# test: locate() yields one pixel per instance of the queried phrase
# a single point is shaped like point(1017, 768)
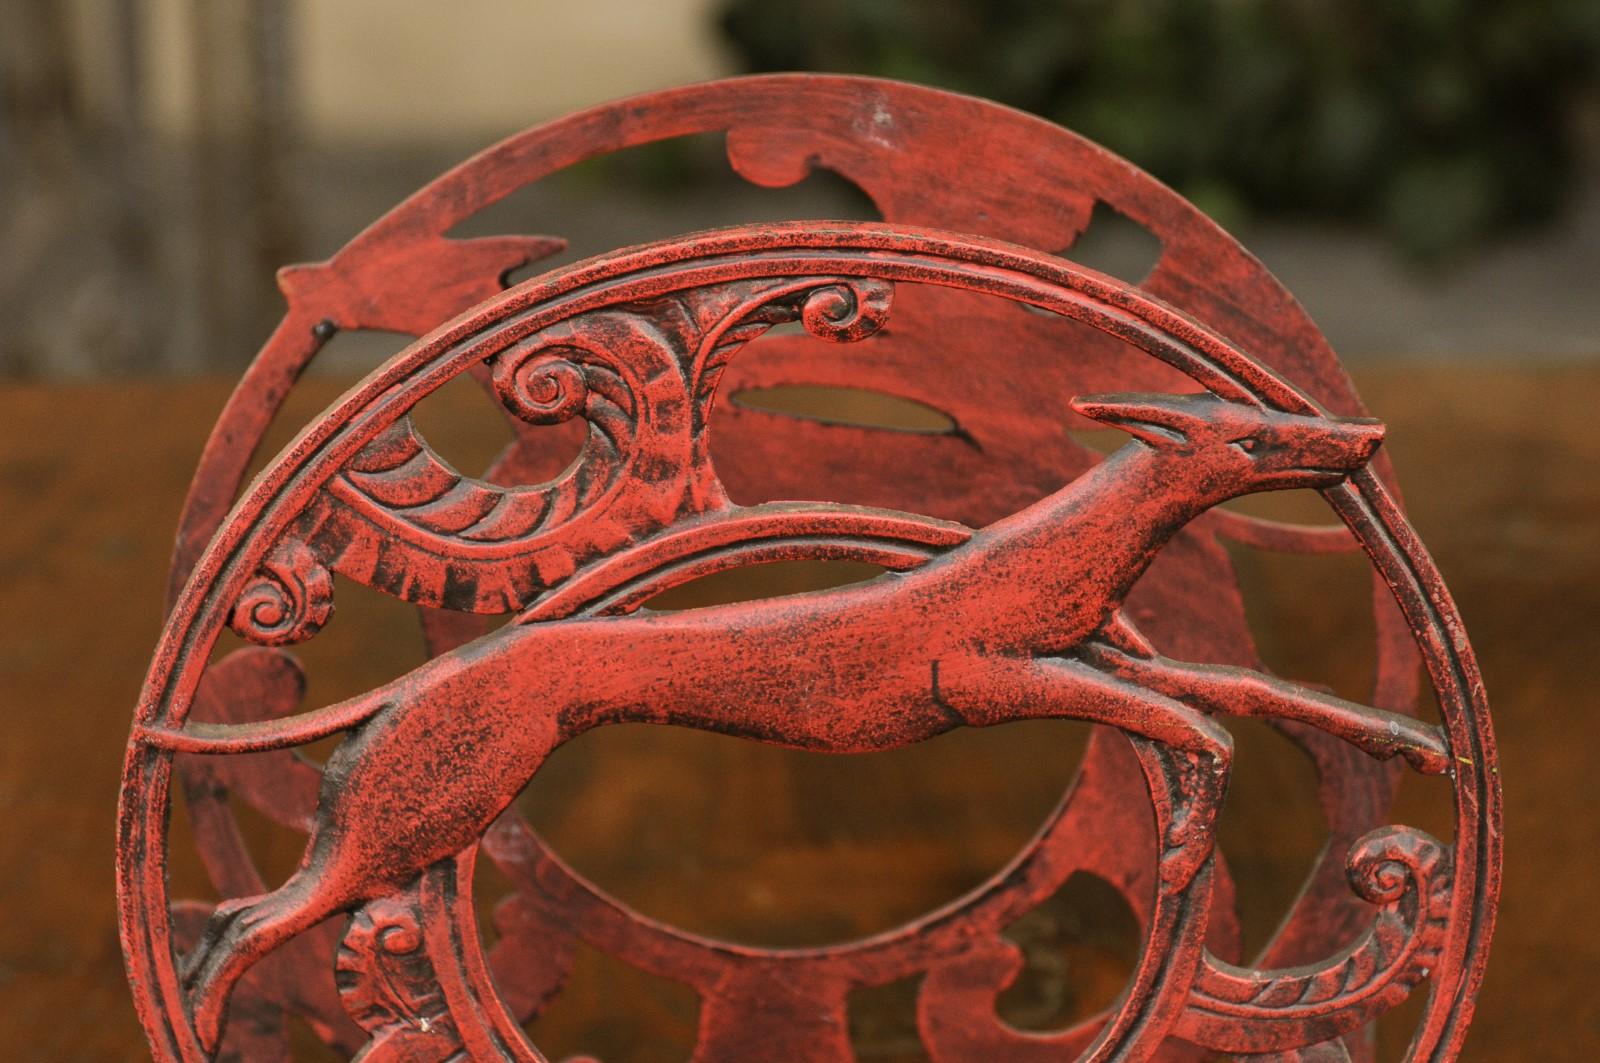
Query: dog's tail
point(262, 735)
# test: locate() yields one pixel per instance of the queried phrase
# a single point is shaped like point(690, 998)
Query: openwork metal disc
point(1111, 599)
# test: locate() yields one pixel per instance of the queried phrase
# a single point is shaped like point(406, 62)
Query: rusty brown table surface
point(1501, 470)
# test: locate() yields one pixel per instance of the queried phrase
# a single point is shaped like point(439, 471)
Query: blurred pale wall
point(160, 159)
point(370, 75)
point(385, 71)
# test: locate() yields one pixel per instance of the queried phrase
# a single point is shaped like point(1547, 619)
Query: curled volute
point(1403, 871)
point(289, 599)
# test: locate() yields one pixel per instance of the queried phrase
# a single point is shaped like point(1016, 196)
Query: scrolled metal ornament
point(288, 601)
point(388, 985)
point(1030, 578)
point(541, 387)
point(1404, 873)
point(845, 313)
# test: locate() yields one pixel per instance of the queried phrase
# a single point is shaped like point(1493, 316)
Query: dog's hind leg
point(239, 933)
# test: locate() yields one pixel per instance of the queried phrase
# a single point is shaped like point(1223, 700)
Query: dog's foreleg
point(1246, 692)
point(989, 690)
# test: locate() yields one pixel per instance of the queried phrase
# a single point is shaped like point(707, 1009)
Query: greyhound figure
point(1021, 621)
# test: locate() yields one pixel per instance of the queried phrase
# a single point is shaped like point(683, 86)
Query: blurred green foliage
point(1444, 123)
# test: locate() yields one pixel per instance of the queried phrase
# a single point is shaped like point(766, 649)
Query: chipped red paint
point(1109, 599)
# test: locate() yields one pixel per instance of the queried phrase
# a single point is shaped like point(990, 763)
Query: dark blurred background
point(1423, 176)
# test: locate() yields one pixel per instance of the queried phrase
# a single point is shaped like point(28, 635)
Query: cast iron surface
point(1110, 599)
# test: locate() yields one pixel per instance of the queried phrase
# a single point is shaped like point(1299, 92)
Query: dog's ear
point(1166, 421)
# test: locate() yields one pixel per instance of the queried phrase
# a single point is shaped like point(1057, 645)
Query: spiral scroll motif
point(541, 386)
point(289, 600)
point(1406, 873)
point(844, 313)
point(1387, 864)
point(388, 985)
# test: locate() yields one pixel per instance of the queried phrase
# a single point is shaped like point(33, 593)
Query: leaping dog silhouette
point(1021, 621)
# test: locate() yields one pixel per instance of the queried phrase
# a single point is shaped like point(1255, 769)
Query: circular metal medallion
point(1109, 599)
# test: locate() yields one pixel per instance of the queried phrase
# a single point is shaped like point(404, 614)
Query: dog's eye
point(1247, 444)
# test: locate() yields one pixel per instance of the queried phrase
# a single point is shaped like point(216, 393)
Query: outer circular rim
point(887, 252)
point(907, 147)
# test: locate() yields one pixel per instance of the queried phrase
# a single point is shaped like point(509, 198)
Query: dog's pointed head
point(1259, 448)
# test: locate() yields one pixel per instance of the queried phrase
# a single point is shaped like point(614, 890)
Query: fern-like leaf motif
point(400, 518)
point(1403, 871)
